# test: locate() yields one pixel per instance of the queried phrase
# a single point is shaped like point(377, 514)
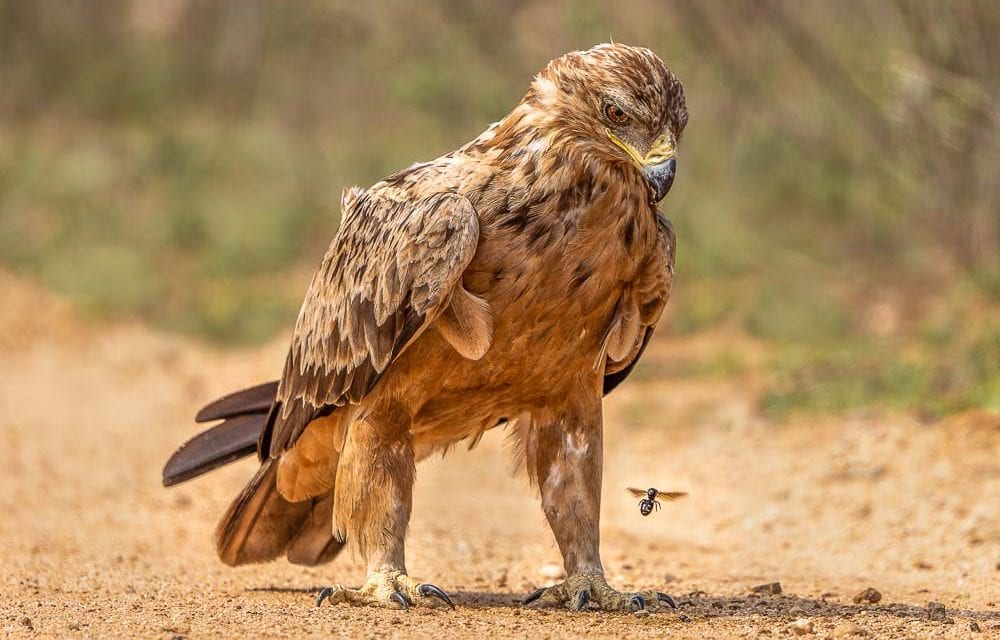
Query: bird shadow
point(312, 590)
point(702, 605)
point(709, 606)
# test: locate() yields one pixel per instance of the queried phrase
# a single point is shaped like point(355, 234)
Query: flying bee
point(649, 501)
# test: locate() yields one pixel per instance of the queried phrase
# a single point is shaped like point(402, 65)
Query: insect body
point(649, 501)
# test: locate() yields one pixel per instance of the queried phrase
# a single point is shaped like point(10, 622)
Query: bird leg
point(372, 503)
point(566, 457)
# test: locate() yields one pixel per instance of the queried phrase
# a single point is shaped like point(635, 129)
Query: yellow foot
point(387, 589)
point(580, 589)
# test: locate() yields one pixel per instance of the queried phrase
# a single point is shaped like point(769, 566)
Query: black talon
point(431, 590)
point(324, 593)
point(639, 602)
point(534, 595)
point(582, 600)
point(662, 597)
point(401, 599)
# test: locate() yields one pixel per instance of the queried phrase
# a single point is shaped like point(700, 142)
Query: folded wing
point(391, 270)
point(638, 314)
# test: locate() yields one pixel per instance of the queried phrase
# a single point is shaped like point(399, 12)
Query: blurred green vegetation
point(181, 161)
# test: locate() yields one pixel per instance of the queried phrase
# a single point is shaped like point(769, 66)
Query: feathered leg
point(372, 506)
point(565, 458)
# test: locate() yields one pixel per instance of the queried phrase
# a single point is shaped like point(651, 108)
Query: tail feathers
point(256, 399)
point(245, 417)
point(233, 439)
point(260, 525)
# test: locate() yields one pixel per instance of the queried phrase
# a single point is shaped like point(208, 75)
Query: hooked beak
point(659, 166)
point(660, 178)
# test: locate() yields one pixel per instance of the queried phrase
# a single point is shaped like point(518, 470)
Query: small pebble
point(868, 596)
point(26, 622)
point(936, 612)
point(771, 588)
point(849, 630)
point(802, 627)
point(974, 627)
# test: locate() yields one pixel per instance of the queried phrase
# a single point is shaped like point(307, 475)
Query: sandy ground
point(92, 546)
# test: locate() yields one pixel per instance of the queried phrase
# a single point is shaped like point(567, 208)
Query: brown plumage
point(513, 281)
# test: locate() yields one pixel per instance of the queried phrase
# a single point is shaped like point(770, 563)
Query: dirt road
point(93, 546)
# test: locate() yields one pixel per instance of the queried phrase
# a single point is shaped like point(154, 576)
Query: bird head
point(619, 104)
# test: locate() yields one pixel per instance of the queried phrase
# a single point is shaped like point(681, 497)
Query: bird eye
point(614, 113)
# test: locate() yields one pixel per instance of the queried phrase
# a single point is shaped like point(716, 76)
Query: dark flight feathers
point(244, 414)
point(257, 399)
point(233, 439)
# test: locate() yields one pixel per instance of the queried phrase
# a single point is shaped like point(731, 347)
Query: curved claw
point(401, 599)
point(662, 597)
point(427, 589)
point(582, 600)
point(324, 593)
point(534, 595)
point(638, 602)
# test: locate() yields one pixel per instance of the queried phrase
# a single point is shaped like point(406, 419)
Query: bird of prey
point(515, 280)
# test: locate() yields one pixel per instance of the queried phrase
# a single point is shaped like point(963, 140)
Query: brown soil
point(92, 546)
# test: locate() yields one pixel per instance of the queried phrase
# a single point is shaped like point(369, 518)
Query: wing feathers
point(637, 317)
point(467, 324)
point(389, 272)
point(624, 333)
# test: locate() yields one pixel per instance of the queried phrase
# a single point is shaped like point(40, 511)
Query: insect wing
point(671, 495)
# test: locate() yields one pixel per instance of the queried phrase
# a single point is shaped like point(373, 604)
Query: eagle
point(513, 281)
